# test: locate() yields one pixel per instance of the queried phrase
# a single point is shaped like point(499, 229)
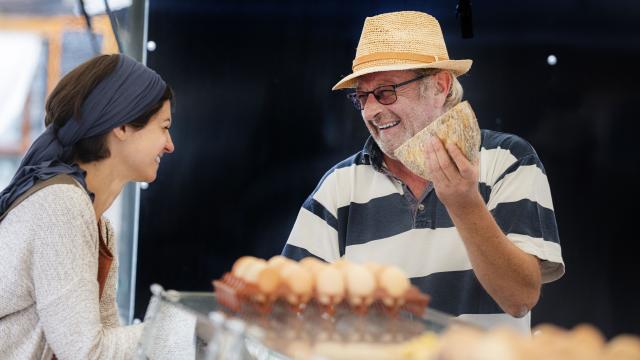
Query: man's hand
point(511, 276)
point(454, 178)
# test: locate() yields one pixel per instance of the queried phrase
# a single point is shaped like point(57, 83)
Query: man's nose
point(371, 108)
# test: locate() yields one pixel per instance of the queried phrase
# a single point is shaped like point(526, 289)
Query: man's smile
point(388, 125)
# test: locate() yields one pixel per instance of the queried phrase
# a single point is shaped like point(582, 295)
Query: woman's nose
point(169, 147)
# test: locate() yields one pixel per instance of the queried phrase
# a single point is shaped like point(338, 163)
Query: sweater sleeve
point(65, 263)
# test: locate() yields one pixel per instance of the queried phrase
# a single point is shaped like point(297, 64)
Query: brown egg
point(329, 285)
point(375, 268)
point(299, 280)
point(240, 264)
point(252, 270)
point(360, 284)
point(342, 263)
point(268, 280)
point(622, 347)
point(544, 330)
point(587, 342)
point(394, 281)
point(278, 261)
point(312, 264)
point(554, 342)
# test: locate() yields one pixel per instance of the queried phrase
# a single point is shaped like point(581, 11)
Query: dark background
point(256, 126)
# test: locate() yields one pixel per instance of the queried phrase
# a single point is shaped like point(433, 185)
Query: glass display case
point(194, 325)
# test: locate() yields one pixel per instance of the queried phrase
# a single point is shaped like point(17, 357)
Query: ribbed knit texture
point(48, 282)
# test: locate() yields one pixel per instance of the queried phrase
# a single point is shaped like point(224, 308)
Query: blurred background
point(256, 125)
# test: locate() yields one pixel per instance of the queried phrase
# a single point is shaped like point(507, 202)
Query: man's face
point(391, 125)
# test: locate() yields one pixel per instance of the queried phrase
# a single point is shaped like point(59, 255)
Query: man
point(480, 238)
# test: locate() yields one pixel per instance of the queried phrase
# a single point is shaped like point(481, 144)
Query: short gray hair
point(455, 91)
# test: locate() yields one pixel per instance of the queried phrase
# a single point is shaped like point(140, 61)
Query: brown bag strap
point(105, 259)
point(58, 179)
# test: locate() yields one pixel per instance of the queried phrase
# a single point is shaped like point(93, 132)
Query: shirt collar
point(373, 155)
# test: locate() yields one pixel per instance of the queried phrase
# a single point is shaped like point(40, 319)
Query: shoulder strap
point(58, 179)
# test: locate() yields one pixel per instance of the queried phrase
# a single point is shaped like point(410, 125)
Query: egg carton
point(239, 295)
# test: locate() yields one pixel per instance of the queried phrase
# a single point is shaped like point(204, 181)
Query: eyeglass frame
point(360, 106)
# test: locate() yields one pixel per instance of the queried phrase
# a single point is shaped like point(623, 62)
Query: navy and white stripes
point(360, 212)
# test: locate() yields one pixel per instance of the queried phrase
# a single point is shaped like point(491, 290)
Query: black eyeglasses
point(385, 94)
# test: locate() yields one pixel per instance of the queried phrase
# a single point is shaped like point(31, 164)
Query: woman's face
point(143, 148)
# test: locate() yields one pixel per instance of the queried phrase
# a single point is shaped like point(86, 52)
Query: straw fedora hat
point(401, 41)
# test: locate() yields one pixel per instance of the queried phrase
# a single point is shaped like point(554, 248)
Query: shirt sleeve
point(315, 232)
point(65, 263)
point(521, 203)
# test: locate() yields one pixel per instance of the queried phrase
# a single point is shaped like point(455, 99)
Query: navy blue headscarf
point(121, 97)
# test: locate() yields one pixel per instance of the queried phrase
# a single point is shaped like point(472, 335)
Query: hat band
point(394, 56)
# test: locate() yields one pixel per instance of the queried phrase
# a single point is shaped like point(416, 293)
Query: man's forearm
point(511, 276)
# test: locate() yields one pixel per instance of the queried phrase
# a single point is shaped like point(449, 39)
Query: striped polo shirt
point(363, 213)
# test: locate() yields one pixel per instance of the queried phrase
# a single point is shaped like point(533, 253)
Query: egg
point(360, 284)
point(312, 264)
point(240, 265)
point(252, 270)
point(622, 347)
point(278, 261)
point(587, 342)
point(329, 285)
point(342, 263)
point(553, 341)
point(545, 331)
point(373, 267)
point(299, 279)
point(394, 281)
point(268, 280)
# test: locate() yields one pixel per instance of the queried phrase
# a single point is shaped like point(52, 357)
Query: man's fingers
point(464, 166)
point(447, 165)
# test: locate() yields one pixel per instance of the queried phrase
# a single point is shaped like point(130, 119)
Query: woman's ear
point(121, 132)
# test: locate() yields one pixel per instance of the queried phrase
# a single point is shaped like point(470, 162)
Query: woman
point(107, 123)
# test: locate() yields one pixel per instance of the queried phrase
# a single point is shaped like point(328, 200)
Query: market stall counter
point(204, 329)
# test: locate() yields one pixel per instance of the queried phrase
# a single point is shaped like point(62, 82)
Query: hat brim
point(458, 67)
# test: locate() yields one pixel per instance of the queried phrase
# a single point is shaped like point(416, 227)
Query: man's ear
point(121, 132)
point(443, 82)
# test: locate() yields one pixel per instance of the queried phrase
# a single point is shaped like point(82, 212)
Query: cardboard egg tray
point(238, 296)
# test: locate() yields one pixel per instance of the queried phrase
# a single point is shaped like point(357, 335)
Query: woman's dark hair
point(67, 98)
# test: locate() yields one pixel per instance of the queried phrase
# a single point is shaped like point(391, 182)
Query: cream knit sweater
point(48, 287)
